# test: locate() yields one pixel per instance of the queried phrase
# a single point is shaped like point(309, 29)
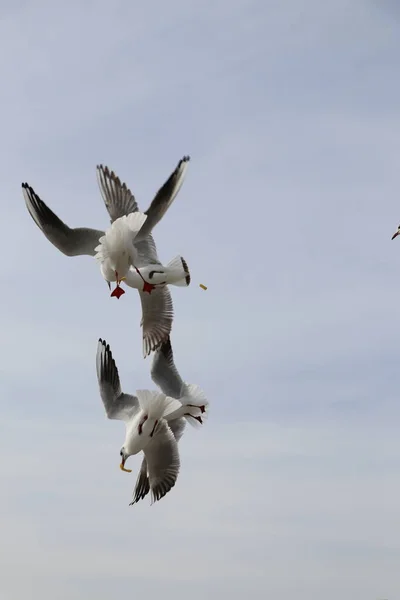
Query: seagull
point(154, 422)
point(165, 375)
point(396, 233)
point(116, 254)
point(157, 308)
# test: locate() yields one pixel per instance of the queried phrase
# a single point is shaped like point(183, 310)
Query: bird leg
point(147, 287)
point(117, 293)
point(199, 419)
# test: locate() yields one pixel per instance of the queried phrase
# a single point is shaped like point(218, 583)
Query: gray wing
point(177, 427)
point(157, 317)
point(72, 242)
point(157, 307)
point(119, 202)
point(164, 372)
point(117, 197)
point(162, 456)
point(164, 197)
point(117, 405)
point(147, 252)
point(142, 487)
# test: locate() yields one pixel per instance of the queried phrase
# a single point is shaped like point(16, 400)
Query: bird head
point(124, 456)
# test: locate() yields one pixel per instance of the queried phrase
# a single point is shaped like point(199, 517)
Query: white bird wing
point(117, 405)
point(147, 252)
point(142, 486)
point(120, 202)
point(163, 463)
point(117, 197)
point(164, 372)
point(157, 317)
point(72, 242)
point(164, 197)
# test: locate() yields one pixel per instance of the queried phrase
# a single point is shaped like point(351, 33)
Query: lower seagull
point(165, 375)
point(154, 421)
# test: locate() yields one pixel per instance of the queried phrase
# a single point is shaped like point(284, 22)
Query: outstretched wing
point(142, 486)
point(158, 314)
point(164, 197)
point(164, 372)
point(72, 242)
point(120, 202)
point(163, 462)
point(117, 405)
point(117, 197)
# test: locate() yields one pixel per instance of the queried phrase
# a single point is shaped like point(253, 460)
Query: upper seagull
point(157, 307)
point(154, 422)
point(117, 255)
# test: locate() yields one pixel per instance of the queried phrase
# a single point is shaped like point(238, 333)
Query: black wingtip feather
point(162, 490)
point(186, 269)
point(166, 350)
point(142, 488)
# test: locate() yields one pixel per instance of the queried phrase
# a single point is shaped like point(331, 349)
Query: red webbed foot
point(117, 293)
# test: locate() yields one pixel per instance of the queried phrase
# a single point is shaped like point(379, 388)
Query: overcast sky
point(290, 112)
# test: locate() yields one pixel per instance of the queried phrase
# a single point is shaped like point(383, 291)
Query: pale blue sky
point(290, 112)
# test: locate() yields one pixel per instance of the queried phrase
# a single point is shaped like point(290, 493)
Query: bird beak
point(122, 467)
point(396, 234)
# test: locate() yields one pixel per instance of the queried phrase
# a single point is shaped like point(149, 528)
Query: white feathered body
point(116, 252)
point(175, 273)
point(154, 406)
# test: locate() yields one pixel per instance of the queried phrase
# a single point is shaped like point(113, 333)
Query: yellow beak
point(122, 467)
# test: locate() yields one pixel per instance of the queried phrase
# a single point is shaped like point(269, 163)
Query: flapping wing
point(147, 252)
point(117, 197)
point(164, 372)
point(162, 456)
point(164, 197)
point(177, 427)
point(120, 202)
point(72, 242)
point(142, 487)
point(117, 405)
point(158, 313)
